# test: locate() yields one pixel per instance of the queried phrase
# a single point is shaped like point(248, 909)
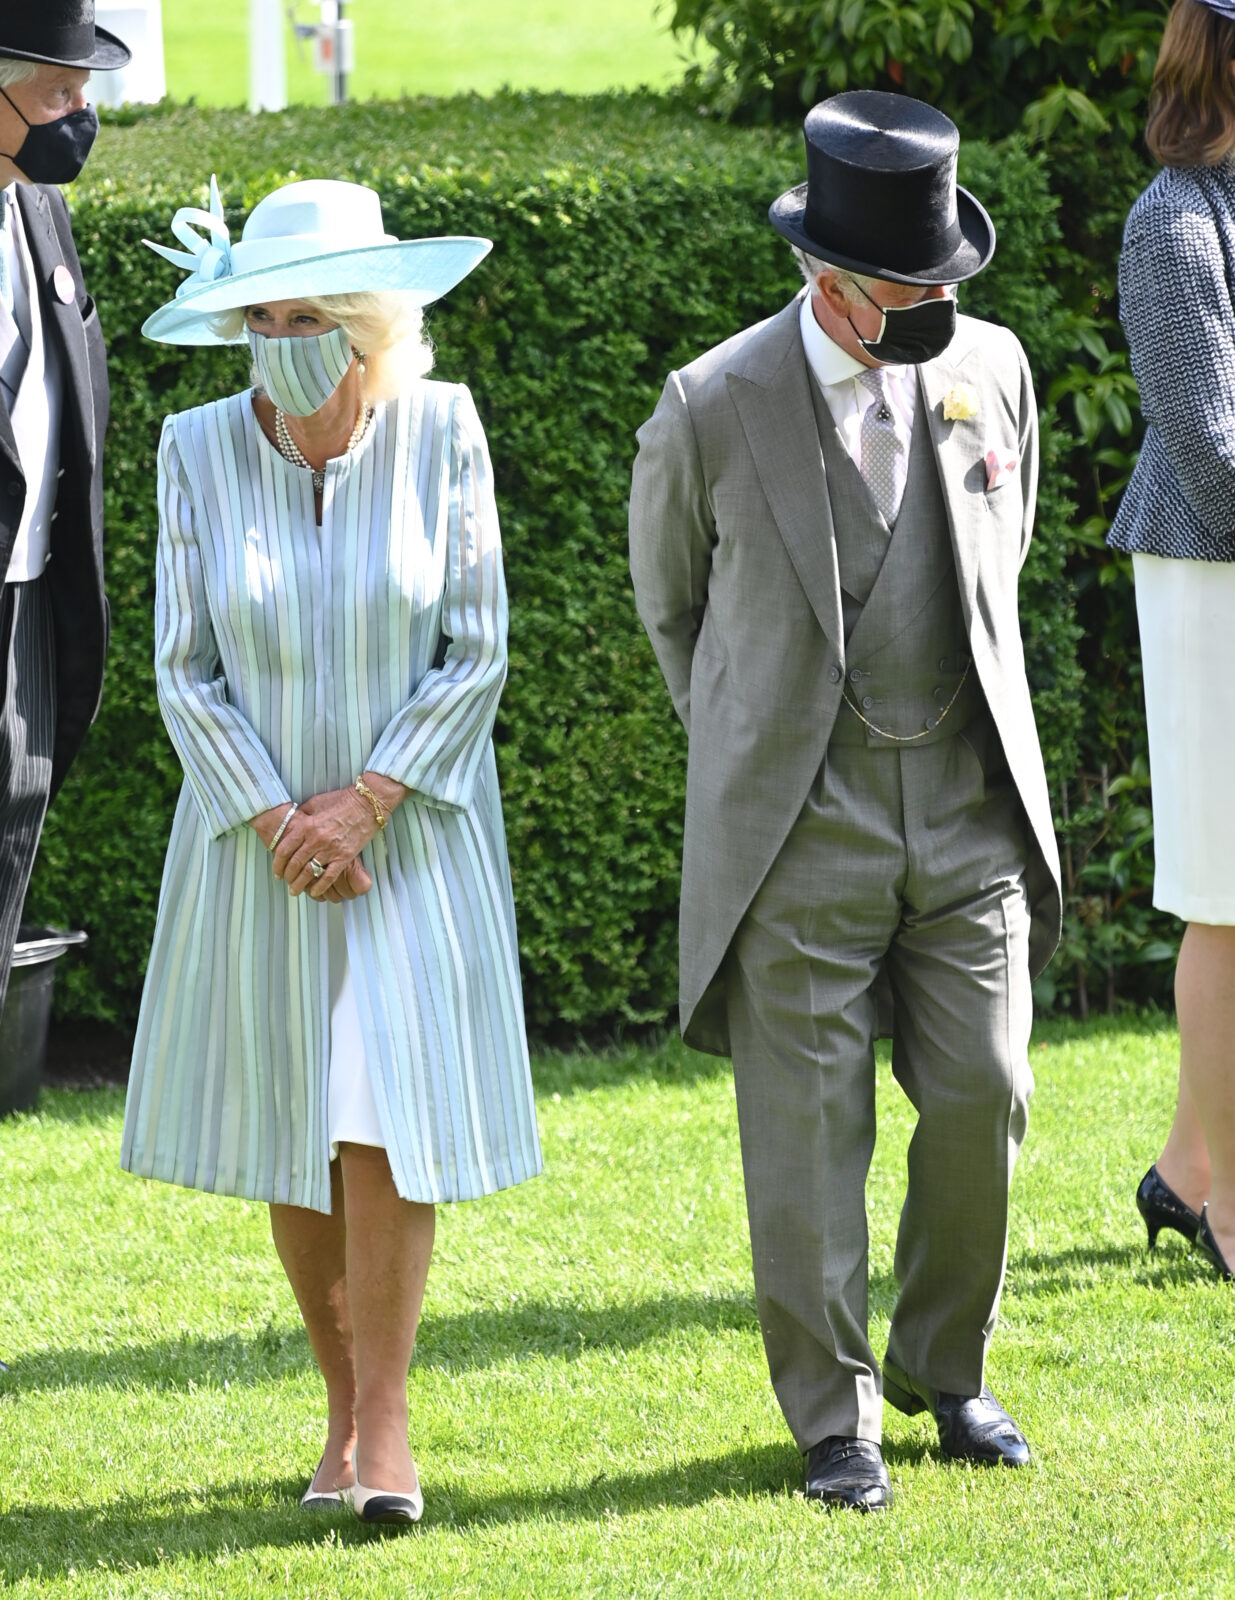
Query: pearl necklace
point(291, 451)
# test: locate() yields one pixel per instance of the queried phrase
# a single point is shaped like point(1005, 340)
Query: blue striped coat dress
point(289, 658)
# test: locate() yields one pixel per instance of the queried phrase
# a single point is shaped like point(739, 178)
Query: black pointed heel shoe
point(1162, 1208)
point(1208, 1247)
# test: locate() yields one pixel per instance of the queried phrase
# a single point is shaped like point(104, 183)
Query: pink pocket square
point(999, 468)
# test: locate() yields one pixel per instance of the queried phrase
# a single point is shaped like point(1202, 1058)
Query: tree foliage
point(994, 65)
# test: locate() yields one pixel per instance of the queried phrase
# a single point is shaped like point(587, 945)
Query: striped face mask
point(300, 375)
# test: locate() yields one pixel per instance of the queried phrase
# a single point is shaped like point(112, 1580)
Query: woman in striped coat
point(332, 1020)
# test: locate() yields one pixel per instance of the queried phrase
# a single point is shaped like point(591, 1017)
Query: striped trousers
point(27, 737)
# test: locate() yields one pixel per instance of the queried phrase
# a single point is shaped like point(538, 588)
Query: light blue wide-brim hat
point(317, 237)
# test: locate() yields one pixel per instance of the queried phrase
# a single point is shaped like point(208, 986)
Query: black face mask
point(55, 152)
point(910, 334)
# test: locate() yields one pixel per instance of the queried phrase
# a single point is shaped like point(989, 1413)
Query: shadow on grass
point(464, 1342)
point(1085, 1268)
point(543, 1329)
point(44, 1542)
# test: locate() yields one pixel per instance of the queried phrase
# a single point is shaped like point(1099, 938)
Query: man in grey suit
point(828, 518)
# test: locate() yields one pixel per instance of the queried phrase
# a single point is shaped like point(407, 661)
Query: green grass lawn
point(591, 1412)
point(403, 48)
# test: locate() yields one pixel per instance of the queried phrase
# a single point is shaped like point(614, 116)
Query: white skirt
point(351, 1112)
point(1186, 611)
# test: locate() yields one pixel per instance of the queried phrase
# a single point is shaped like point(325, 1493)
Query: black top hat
point(61, 32)
point(881, 195)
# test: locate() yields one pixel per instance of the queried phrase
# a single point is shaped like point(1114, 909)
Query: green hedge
point(630, 235)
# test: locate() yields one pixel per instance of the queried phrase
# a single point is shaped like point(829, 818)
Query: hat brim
point(423, 269)
point(109, 54)
point(787, 214)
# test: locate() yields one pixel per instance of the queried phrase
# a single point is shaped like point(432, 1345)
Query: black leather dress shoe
point(971, 1427)
point(1161, 1207)
point(978, 1429)
point(848, 1473)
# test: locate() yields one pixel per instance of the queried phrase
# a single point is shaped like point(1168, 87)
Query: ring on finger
point(316, 868)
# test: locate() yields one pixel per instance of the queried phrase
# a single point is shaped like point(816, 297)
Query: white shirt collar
point(829, 363)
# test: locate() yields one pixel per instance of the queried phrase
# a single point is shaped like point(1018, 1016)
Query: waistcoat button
point(867, 702)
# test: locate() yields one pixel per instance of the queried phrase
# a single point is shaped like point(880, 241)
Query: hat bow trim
point(206, 259)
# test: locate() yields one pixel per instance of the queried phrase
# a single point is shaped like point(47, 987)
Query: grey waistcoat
point(905, 644)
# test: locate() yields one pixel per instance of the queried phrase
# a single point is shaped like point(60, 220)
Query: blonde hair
point(1192, 103)
point(386, 328)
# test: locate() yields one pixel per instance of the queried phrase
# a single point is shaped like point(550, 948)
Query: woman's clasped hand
point(330, 830)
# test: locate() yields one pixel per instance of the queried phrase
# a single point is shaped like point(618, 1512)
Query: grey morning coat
point(733, 557)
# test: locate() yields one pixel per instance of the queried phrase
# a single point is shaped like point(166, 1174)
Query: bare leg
point(1184, 1162)
point(1205, 1001)
point(389, 1247)
point(312, 1248)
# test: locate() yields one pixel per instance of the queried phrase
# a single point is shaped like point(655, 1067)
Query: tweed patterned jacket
point(1176, 304)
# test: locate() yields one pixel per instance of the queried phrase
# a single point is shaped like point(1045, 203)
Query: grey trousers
point(27, 738)
point(907, 863)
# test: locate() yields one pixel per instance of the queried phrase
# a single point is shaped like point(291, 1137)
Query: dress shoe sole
point(840, 1501)
point(997, 1460)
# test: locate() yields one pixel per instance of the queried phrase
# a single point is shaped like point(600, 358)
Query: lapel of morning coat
point(769, 385)
point(959, 452)
point(61, 321)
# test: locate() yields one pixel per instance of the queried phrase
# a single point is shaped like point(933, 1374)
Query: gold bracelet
point(361, 787)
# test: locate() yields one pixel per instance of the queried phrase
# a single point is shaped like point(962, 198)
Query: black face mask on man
point(910, 334)
point(55, 152)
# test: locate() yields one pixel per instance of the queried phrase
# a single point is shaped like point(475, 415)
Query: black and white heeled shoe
point(321, 1499)
point(385, 1505)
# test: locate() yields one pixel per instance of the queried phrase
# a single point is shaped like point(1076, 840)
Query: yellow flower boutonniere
point(960, 404)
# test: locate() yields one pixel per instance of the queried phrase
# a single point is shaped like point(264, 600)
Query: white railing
point(140, 24)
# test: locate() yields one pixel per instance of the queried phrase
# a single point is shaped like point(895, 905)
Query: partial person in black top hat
point(59, 33)
point(53, 415)
point(827, 521)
